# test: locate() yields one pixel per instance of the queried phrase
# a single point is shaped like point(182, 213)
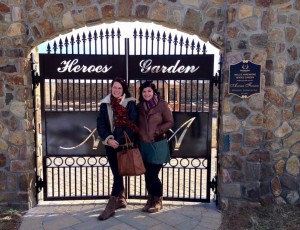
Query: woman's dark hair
point(145, 85)
point(123, 84)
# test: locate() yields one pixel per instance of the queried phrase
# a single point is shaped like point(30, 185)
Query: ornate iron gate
point(75, 75)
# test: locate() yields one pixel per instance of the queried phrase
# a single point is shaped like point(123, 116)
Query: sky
point(127, 29)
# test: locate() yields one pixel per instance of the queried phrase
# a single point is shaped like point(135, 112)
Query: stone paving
point(82, 215)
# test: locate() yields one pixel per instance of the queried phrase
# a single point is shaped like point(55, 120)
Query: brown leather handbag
point(130, 162)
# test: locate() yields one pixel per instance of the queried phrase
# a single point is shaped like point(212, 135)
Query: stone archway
point(86, 15)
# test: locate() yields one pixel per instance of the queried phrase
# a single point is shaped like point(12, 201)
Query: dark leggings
point(153, 183)
point(118, 184)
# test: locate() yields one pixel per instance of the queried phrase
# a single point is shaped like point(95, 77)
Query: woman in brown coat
point(154, 120)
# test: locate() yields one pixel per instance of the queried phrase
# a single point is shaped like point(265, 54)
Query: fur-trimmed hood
point(110, 114)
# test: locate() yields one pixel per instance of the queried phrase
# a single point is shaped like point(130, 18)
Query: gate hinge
point(40, 184)
point(216, 79)
point(36, 79)
point(213, 184)
point(34, 73)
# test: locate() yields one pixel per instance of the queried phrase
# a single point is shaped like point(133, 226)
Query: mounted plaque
point(244, 79)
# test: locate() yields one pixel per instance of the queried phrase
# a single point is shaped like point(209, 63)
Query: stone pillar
point(17, 175)
point(260, 152)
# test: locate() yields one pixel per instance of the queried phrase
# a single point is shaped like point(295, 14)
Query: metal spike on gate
point(170, 41)
point(181, 44)
point(112, 32)
point(66, 44)
point(158, 39)
point(107, 38)
point(193, 46)
point(55, 47)
point(83, 37)
point(118, 36)
point(152, 35)
point(72, 43)
point(112, 40)
point(101, 34)
point(164, 37)
point(198, 48)
point(175, 40)
point(95, 39)
point(48, 48)
point(78, 42)
point(158, 36)
point(90, 36)
point(95, 35)
point(181, 41)
point(78, 39)
point(204, 49)
point(90, 42)
point(170, 38)
point(118, 33)
point(175, 43)
point(83, 41)
point(60, 45)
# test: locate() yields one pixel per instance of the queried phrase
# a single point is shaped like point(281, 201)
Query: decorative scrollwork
point(178, 141)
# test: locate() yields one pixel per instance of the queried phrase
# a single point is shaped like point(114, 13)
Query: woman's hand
point(113, 143)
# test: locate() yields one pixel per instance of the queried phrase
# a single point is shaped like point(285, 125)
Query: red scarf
point(121, 117)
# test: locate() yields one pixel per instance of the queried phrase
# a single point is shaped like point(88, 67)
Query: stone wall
point(17, 175)
point(261, 138)
point(260, 145)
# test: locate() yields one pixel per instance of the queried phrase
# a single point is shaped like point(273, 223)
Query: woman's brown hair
point(123, 84)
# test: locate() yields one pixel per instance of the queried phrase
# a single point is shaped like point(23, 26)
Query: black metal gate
point(75, 75)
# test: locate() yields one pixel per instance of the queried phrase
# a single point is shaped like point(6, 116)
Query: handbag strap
point(127, 139)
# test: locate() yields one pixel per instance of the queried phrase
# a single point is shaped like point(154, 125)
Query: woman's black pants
point(153, 183)
point(118, 184)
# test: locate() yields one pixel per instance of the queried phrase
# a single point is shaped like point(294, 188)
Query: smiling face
point(117, 89)
point(147, 93)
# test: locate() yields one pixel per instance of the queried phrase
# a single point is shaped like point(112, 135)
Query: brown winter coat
point(156, 123)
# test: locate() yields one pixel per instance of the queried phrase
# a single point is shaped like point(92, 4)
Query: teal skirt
point(155, 152)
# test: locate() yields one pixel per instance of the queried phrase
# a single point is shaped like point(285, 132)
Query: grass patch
point(279, 217)
point(10, 218)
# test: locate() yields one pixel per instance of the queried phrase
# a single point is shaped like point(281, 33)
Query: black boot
point(109, 210)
